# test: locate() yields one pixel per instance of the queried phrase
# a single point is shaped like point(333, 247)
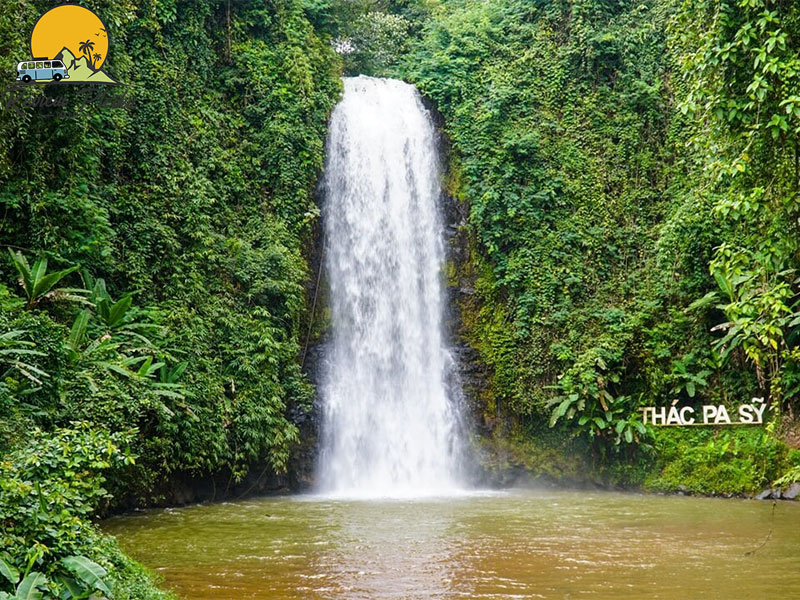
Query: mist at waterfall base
point(390, 424)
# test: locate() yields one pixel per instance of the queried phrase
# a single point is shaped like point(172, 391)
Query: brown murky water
point(494, 545)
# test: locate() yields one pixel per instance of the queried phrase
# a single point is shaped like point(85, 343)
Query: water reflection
point(495, 546)
point(391, 549)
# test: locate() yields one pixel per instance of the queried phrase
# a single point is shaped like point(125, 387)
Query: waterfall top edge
point(372, 78)
point(351, 84)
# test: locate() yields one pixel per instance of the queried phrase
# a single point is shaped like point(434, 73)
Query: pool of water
point(492, 545)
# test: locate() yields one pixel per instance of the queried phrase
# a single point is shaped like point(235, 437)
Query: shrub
point(49, 489)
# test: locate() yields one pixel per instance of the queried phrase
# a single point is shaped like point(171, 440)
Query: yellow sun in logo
point(75, 28)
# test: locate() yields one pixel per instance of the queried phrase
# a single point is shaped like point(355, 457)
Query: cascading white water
point(390, 423)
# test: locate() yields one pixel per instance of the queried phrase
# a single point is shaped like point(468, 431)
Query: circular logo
point(72, 28)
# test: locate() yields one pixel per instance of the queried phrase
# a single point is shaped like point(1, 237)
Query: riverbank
point(713, 462)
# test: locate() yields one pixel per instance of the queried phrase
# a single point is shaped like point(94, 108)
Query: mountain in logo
point(79, 68)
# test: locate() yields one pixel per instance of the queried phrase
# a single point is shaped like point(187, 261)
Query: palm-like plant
point(97, 58)
point(117, 345)
point(130, 325)
point(12, 352)
point(113, 314)
point(36, 282)
point(86, 48)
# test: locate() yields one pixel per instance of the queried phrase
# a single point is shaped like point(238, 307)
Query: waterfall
point(389, 422)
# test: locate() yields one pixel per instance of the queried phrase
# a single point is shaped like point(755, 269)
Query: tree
point(86, 48)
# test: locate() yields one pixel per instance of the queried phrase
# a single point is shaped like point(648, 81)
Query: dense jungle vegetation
point(630, 170)
point(160, 250)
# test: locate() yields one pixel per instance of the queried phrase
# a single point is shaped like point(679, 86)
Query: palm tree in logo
point(86, 48)
point(97, 58)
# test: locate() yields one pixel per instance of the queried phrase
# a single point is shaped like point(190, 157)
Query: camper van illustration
point(67, 42)
point(41, 69)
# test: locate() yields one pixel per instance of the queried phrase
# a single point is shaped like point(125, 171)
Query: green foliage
point(12, 352)
point(685, 380)
point(49, 488)
point(630, 171)
point(372, 36)
point(36, 281)
point(378, 40)
point(559, 117)
point(186, 214)
point(703, 461)
point(199, 197)
point(31, 585)
point(631, 174)
point(89, 573)
point(791, 476)
point(740, 62)
point(589, 398)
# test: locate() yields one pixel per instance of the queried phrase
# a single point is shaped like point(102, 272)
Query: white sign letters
point(750, 413)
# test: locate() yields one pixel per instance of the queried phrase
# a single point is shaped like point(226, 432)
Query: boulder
point(792, 491)
point(765, 495)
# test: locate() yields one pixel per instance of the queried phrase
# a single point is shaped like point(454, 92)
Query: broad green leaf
point(78, 329)
point(148, 367)
point(22, 267)
point(153, 368)
point(38, 274)
point(28, 589)
point(27, 370)
point(724, 284)
point(560, 410)
point(168, 393)
point(14, 351)
point(115, 368)
point(71, 588)
point(176, 372)
point(117, 312)
point(8, 571)
point(43, 285)
point(102, 309)
point(142, 372)
point(87, 571)
point(14, 333)
point(702, 302)
point(99, 292)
